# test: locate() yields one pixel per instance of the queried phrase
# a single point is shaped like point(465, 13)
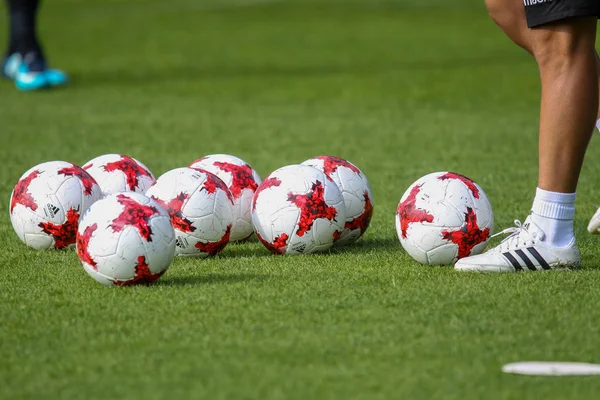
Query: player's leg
point(567, 60)
point(24, 61)
point(509, 15)
point(22, 26)
point(24, 51)
point(565, 53)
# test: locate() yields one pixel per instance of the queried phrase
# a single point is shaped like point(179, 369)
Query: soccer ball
point(356, 191)
point(297, 210)
point(443, 217)
point(117, 173)
point(242, 182)
point(201, 210)
point(47, 202)
point(125, 239)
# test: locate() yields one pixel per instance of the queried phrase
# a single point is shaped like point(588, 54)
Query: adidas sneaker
point(524, 250)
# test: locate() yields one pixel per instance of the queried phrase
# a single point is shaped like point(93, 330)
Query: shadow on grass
point(251, 239)
point(253, 250)
point(258, 251)
point(363, 245)
point(212, 279)
point(368, 244)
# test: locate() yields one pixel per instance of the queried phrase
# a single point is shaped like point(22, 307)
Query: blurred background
point(429, 84)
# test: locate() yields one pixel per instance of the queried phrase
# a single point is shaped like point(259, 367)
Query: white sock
point(598, 124)
point(554, 213)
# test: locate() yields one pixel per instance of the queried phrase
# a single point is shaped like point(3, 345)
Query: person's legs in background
point(25, 61)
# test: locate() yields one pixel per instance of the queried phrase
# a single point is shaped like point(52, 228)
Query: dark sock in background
point(22, 36)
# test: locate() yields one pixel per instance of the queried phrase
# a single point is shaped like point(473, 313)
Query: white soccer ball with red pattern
point(47, 202)
point(201, 210)
point(125, 239)
point(242, 182)
point(117, 173)
point(356, 191)
point(297, 210)
point(443, 217)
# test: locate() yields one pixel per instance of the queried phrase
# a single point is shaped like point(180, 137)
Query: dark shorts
point(540, 12)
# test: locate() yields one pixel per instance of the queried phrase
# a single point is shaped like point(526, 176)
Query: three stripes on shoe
point(516, 255)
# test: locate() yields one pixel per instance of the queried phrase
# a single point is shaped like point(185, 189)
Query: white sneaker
point(523, 250)
point(594, 225)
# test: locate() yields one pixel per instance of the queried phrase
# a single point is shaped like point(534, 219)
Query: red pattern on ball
point(331, 164)
point(143, 275)
point(337, 235)
point(173, 207)
point(277, 246)
point(213, 182)
point(469, 183)
point(468, 236)
point(212, 248)
point(242, 177)
point(409, 213)
point(362, 221)
point(21, 195)
point(85, 178)
point(136, 215)
point(130, 168)
point(63, 234)
point(267, 183)
point(83, 241)
point(312, 206)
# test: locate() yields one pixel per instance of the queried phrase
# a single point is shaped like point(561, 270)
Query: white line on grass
point(551, 368)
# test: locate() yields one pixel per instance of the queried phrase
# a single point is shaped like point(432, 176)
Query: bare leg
point(567, 59)
point(509, 15)
point(568, 63)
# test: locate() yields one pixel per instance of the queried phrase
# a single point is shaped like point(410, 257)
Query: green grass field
point(401, 88)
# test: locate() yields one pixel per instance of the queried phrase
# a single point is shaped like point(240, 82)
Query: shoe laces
point(519, 236)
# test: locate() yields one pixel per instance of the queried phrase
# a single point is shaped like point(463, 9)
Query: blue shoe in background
point(30, 72)
point(56, 77)
point(11, 65)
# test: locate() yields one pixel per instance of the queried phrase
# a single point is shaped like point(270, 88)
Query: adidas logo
point(300, 247)
point(51, 210)
point(181, 243)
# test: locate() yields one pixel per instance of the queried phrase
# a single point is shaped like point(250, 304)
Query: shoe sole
point(507, 270)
